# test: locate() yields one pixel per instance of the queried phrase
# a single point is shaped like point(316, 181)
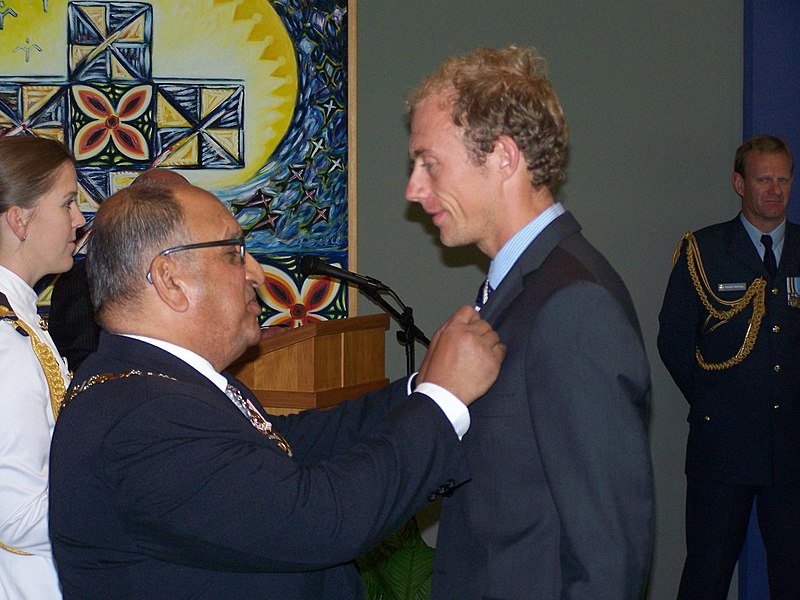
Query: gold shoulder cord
point(754, 294)
point(46, 358)
point(52, 373)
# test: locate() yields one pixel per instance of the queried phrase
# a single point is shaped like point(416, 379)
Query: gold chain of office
point(754, 295)
point(103, 377)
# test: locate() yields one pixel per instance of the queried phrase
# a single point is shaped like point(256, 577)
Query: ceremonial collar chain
point(245, 406)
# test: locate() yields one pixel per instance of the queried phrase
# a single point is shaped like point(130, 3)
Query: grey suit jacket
point(561, 500)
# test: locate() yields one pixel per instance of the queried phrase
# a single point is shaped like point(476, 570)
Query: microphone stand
point(373, 289)
point(410, 332)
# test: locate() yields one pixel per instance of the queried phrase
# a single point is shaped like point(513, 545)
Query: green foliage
point(400, 568)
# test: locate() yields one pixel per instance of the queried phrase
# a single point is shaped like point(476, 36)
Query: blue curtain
point(771, 106)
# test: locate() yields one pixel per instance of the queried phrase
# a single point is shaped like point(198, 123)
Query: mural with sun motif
point(246, 98)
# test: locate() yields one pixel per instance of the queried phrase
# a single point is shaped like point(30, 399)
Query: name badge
point(731, 287)
point(793, 291)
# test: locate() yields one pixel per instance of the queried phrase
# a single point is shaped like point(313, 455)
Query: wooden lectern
point(317, 365)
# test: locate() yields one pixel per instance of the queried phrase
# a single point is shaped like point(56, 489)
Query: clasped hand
point(464, 356)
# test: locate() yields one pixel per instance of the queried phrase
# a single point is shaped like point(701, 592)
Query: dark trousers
point(717, 514)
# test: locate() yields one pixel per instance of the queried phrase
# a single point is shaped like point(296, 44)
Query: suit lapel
point(530, 260)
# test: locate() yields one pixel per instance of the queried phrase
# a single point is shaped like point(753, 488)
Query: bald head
point(160, 177)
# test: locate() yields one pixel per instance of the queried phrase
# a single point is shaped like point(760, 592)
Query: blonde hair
point(503, 92)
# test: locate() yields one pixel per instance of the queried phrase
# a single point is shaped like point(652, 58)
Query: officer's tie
point(770, 264)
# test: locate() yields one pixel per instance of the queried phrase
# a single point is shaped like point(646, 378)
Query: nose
point(415, 188)
point(253, 271)
point(78, 220)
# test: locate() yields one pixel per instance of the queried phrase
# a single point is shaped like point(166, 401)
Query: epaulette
point(8, 315)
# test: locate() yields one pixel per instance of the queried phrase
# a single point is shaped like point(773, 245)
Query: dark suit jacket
point(744, 420)
point(161, 488)
point(560, 505)
point(71, 320)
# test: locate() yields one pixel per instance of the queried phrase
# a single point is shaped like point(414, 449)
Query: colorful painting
point(246, 98)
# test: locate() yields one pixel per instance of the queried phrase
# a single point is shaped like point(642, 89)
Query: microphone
point(313, 265)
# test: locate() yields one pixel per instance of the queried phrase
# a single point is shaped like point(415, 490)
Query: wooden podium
point(317, 365)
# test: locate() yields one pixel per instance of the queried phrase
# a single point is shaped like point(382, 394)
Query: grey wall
point(652, 92)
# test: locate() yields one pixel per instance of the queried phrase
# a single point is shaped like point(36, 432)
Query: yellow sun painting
point(246, 98)
point(234, 40)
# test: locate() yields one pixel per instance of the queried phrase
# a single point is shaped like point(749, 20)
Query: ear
point(18, 219)
point(738, 183)
point(508, 155)
point(170, 283)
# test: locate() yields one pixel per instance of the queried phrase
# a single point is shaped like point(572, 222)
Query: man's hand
point(464, 356)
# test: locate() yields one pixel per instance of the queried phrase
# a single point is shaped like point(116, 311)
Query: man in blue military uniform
point(730, 337)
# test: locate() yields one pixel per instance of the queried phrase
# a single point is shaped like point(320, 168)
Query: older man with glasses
point(168, 480)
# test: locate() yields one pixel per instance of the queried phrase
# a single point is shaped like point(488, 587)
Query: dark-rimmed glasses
point(230, 242)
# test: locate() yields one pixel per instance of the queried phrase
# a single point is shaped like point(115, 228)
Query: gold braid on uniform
point(753, 295)
point(46, 358)
point(14, 550)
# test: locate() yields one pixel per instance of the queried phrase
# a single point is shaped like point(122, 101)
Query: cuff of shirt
point(452, 407)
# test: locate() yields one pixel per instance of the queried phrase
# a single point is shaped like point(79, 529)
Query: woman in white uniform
point(38, 219)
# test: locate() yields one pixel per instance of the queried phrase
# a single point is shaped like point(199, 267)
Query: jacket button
point(774, 291)
point(776, 329)
point(777, 368)
point(777, 406)
point(706, 418)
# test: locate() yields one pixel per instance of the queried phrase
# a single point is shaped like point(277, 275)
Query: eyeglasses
point(231, 242)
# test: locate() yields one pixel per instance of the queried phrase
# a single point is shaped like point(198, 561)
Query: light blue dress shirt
point(513, 248)
point(778, 234)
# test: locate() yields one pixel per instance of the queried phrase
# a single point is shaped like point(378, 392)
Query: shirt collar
point(21, 296)
point(778, 234)
point(518, 243)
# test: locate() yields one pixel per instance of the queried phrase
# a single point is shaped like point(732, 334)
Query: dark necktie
point(483, 295)
point(770, 264)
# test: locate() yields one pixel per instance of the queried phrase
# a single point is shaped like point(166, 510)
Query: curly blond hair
point(505, 91)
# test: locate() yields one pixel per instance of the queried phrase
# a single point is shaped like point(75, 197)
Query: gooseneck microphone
point(313, 265)
point(374, 290)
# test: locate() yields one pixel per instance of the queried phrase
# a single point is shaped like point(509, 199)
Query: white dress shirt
point(26, 426)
